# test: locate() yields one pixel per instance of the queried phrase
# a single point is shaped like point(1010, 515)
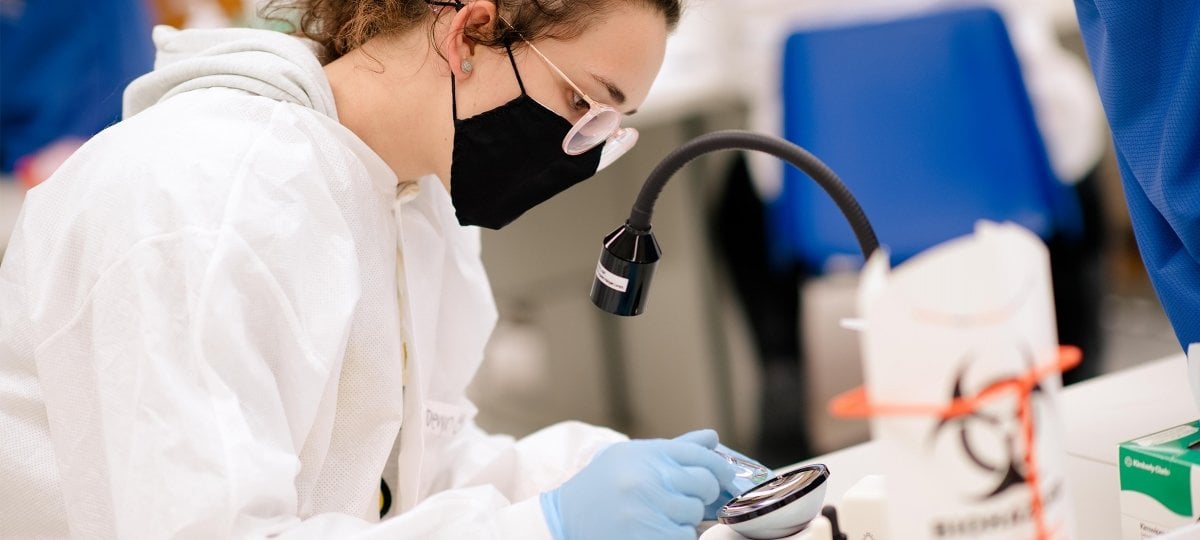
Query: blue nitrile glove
point(645, 490)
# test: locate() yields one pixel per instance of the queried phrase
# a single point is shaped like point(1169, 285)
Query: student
point(233, 313)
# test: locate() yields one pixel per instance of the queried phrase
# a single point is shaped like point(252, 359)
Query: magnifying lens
point(779, 507)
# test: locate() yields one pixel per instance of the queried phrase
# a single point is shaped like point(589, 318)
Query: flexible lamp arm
point(639, 218)
point(631, 252)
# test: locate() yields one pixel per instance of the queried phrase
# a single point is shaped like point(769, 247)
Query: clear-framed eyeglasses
point(600, 124)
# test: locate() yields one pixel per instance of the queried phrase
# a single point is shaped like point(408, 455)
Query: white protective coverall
point(224, 317)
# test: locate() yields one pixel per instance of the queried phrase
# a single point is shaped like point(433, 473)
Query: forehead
point(623, 45)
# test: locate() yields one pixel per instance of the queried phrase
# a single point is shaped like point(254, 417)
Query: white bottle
point(862, 514)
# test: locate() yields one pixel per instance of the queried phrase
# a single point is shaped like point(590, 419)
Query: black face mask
point(510, 159)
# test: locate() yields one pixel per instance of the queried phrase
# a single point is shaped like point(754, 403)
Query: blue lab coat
point(1146, 59)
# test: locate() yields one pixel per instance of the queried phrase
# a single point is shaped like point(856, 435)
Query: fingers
point(729, 451)
point(693, 455)
point(703, 437)
point(694, 482)
point(680, 506)
point(684, 511)
point(682, 532)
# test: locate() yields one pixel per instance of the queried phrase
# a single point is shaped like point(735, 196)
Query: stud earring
point(467, 66)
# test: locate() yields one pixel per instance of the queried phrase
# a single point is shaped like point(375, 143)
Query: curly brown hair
point(341, 26)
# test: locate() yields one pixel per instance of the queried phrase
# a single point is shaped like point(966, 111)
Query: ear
point(478, 17)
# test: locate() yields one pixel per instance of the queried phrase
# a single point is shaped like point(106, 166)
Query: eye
point(578, 103)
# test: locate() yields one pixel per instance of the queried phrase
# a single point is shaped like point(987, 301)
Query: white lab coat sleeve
point(489, 485)
point(523, 468)
point(478, 512)
point(182, 387)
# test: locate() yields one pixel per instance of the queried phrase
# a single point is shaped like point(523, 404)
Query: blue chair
point(63, 67)
point(928, 122)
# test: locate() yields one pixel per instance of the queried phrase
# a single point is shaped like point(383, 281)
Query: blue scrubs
point(1146, 58)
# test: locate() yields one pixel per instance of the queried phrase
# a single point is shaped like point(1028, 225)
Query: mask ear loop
point(513, 61)
point(454, 91)
point(458, 5)
point(453, 97)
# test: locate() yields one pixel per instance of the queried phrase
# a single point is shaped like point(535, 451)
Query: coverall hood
point(261, 62)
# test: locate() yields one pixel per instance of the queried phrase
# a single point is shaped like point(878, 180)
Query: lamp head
point(624, 271)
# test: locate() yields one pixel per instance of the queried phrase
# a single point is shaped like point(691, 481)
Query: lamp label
point(611, 280)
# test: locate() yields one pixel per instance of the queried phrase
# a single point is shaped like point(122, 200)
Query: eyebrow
point(614, 91)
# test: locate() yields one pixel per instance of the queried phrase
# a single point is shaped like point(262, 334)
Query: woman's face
point(614, 61)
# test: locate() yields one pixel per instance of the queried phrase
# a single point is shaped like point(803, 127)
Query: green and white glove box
point(1160, 482)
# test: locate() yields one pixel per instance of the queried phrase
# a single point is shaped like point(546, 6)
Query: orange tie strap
point(855, 404)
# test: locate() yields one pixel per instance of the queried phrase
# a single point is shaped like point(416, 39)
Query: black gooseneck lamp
point(630, 253)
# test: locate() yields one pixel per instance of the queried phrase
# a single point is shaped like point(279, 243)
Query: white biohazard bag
point(960, 357)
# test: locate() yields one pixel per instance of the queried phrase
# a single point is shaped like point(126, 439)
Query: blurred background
point(935, 113)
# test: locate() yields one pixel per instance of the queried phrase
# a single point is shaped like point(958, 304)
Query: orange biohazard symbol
point(855, 404)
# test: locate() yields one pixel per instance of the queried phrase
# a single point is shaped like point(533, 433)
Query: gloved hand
point(644, 489)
